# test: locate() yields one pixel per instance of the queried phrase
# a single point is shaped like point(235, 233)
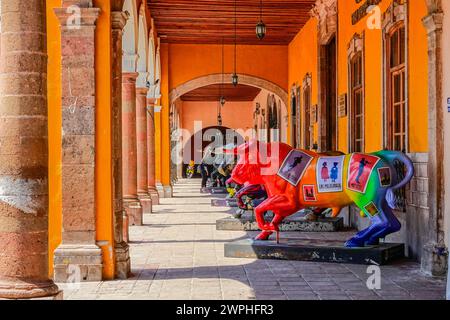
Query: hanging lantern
point(261, 30)
point(261, 26)
point(235, 79)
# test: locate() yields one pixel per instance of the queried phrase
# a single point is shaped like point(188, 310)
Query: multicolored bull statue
point(297, 179)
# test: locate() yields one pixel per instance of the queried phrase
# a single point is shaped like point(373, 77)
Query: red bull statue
point(298, 179)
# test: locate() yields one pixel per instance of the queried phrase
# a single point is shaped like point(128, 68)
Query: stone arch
point(142, 53)
point(130, 37)
point(217, 79)
point(151, 65)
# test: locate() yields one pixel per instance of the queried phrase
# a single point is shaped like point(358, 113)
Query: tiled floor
point(178, 254)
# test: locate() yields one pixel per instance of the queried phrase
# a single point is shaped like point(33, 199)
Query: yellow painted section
point(303, 60)
point(158, 146)
point(103, 134)
point(54, 130)
point(418, 78)
point(303, 57)
point(373, 92)
point(165, 116)
point(103, 168)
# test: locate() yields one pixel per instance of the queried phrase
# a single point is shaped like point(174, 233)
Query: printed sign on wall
point(359, 171)
point(294, 166)
point(342, 106)
point(329, 174)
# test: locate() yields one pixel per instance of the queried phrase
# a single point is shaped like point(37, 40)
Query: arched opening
point(151, 65)
point(130, 37)
point(195, 148)
point(142, 53)
point(255, 108)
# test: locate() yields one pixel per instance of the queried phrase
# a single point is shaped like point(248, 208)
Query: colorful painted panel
point(384, 174)
point(359, 170)
point(329, 174)
point(309, 193)
point(294, 166)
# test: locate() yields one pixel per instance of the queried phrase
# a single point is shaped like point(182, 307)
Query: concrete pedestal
point(314, 250)
point(294, 223)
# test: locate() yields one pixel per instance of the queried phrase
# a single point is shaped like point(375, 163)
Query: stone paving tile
point(178, 254)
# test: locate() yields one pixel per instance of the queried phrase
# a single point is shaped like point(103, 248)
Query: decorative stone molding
point(307, 80)
point(435, 254)
point(434, 6)
point(325, 11)
point(129, 62)
point(396, 12)
point(355, 46)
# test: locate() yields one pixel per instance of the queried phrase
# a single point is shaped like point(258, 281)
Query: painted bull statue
point(297, 179)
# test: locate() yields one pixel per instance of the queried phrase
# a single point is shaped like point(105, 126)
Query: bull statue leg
point(282, 206)
point(383, 223)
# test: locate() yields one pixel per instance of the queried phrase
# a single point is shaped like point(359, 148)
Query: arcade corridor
point(105, 105)
point(178, 254)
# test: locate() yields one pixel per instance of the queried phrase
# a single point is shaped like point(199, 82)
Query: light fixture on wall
point(261, 26)
point(234, 77)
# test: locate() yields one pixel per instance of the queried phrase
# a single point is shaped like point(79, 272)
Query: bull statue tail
point(391, 156)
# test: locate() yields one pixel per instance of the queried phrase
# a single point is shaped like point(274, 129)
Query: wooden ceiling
point(212, 93)
point(210, 21)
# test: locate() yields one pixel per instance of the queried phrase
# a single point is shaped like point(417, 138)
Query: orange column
point(131, 202)
point(24, 153)
point(158, 170)
point(151, 151)
point(142, 152)
point(165, 123)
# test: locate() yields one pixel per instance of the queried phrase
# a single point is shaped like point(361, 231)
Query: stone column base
point(146, 203)
point(434, 260)
point(160, 190)
point(77, 263)
point(125, 227)
point(168, 191)
point(154, 195)
point(134, 212)
point(123, 265)
point(16, 289)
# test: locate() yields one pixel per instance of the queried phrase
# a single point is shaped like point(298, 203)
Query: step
point(231, 203)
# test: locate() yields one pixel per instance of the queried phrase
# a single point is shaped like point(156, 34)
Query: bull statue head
point(255, 159)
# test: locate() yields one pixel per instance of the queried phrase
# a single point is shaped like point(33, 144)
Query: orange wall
point(103, 196)
point(207, 113)
point(165, 116)
point(418, 77)
point(190, 61)
point(303, 59)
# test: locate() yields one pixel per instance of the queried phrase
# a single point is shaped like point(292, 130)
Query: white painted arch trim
point(217, 79)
